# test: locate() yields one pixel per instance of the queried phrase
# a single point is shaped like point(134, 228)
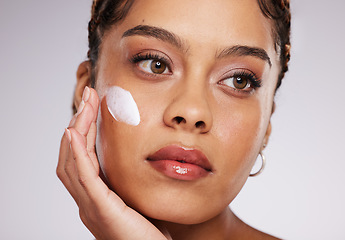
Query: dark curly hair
point(105, 13)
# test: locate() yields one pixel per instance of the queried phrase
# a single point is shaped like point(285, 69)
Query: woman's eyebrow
point(167, 36)
point(156, 32)
point(239, 50)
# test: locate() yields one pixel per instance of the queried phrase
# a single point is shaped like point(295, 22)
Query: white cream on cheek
point(122, 106)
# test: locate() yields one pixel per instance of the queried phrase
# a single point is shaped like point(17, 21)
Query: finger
point(91, 136)
point(71, 170)
point(90, 103)
point(88, 177)
point(87, 111)
point(66, 169)
point(62, 165)
point(84, 118)
point(84, 122)
point(99, 205)
point(91, 141)
point(94, 101)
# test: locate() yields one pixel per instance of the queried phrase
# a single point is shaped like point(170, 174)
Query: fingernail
point(81, 107)
point(68, 134)
point(86, 94)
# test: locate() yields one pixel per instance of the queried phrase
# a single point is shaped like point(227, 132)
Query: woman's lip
point(179, 170)
point(182, 155)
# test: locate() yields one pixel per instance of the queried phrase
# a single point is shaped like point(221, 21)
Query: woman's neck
point(226, 225)
point(218, 227)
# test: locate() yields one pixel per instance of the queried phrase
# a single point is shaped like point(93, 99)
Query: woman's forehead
point(200, 23)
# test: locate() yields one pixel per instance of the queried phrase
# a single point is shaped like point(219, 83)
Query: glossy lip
point(180, 163)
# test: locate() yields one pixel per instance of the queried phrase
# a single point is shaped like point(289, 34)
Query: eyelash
point(254, 81)
point(149, 56)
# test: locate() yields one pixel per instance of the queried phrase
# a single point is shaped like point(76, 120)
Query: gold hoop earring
point(263, 160)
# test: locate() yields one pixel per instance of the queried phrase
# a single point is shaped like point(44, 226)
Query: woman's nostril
point(179, 120)
point(200, 124)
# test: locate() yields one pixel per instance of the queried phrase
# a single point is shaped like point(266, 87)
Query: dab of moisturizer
point(122, 106)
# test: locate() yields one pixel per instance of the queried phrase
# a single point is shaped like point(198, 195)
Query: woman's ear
point(83, 80)
point(269, 129)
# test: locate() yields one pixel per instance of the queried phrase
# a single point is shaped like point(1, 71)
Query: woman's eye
point(237, 82)
point(153, 66)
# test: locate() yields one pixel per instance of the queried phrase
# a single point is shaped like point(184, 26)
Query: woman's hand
point(100, 209)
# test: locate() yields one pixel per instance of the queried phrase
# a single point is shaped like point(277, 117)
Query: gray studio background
point(301, 193)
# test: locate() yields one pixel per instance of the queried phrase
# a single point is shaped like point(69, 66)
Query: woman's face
point(203, 75)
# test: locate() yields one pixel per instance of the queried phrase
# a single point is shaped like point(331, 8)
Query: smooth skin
point(100, 209)
point(236, 125)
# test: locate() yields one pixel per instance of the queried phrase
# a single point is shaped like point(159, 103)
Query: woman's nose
point(189, 110)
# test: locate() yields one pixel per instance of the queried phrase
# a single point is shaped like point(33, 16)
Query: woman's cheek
point(238, 129)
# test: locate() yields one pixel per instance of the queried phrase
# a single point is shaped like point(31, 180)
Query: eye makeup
point(240, 80)
point(146, 56)
point(122, 106)
point(152, 63)
point(237, 75)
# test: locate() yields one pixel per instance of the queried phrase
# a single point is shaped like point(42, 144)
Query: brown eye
point(154, 66)
point(237, 82)
point(240, 82)
point(158, 67)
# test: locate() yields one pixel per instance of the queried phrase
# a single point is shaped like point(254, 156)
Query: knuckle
point(90, 150)
point(87, 215)
point(65, 170)
point(59, 173)
point(68, 169)
point(83, 217)
point(82, 181)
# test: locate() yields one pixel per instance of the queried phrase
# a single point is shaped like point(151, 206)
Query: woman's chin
point(177, 216)
point(179, 211)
